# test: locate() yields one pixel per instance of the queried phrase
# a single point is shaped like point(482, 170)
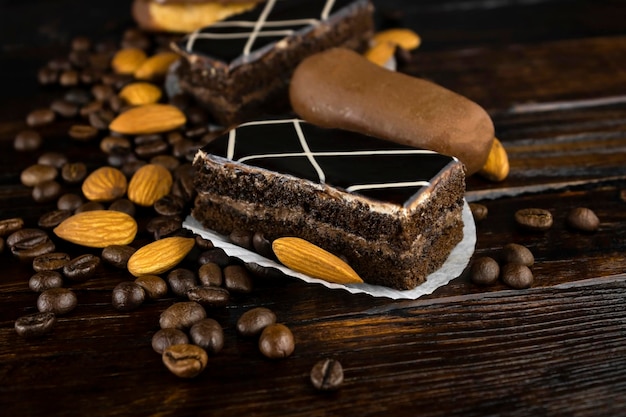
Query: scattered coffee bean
point(276, 341)
point(78, 96)
point(209, 296)
point(241, 238)
point(169, 205)
point(82, 132)
point(185, 361)
point(50, 261)
point(64, 108)
point(327, 375)
point(203, 243)
point(55, 159)
point(182, 315)
point(53, 218)
point(27, 244)
point(181, 280)
point(74, 172)
point(35, 325)
point(46, 191)
point(115, 145)
point(101, 119)
point(127, 296)
point(118, 255)
point(45, 280)
point(534, 219)
point(262, 245)
point(90, 206)
point(154, 286)
point(252, 322)
point(151, 149)
point(135, 38)
point(583, 219)
point(185, 149)
point(81, 43)
point(69, 202)
point(27, 140)
point(237, 279)
point(209, 335)
point(210, 274)
point(124, 205)
point(479, 211)
point(485, 271)
point(517, 254)
point(82, 267)
point(517, 276)
point(102, 92)
point(47, 76)
point(129, 164)
point(164, 226)
point(215, 255)
point(57, 300)
point(38, 173)
point(90, 107)
point(60, 64)
point(68, 78)
point(24, 238)
point(165, 338)
point(11, 225)
point(197, 116)
point(167, 161)
point(40, 117)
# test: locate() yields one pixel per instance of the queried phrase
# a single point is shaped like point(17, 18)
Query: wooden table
point(551, 74)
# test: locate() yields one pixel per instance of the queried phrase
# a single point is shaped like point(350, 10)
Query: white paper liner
point(452, 267)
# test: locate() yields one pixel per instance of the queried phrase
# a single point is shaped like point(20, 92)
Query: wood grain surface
point(551, 75)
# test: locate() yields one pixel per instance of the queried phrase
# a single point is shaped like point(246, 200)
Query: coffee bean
point(208, 334)
point(40, 117)
point(151, 149)
point(23, 238)
point(203, 243)
point(50, 261)
point(197, 116)
point(124, 205)
point(102, 92)
point(47, 76)
point(57, 300)
point(129, 165)
point(78, 96)
point(2, 245)
point(167, 161)
point(118, 255)
point(534, 219)
point(479, 211)
point(90, 75)
point(82, 267)
point(185, 149)
point(164, 226)
point(262, 246)
point(90, 206)
point(517, 276)
point(583, 219)
point(11, 225)
point(169, 205)
point(115, 145)
point(154, 286)
point(46, 191)
point(182, 315)
point(241, 238)
point(69, 202)
point(80, 59)
point(165, 338)
point(210, 274)
point(27, 140)
point(183, 183)
point(185, 361)
point(74, 172)
point(64, 108)
point(276, 341)
point(517, 254)
point(100, 61)
point(82, 132)
point(55, 159)
point(237, 279)
point(68, 78)
point(53, 218)
point(181, 280)
point(252, 322)
point(135, 38)
point(101, 119)
point(59, 64)
point(327, 375)
point(127, 296)
point(209, 295)
point(90, 107)
point(485, 271)
point(27, 244)
point(35, 325)
point(45, 280)
point(215, 255)
point(81, 43)
point(38, 173)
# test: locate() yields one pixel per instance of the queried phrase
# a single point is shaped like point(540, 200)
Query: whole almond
point(307, 258)
point(497, 166)
point(381, 53)
point(156, 66)
point(160, 256)
point(105, 184)
point(126, 61)
point(404, 38)
point(148, 119)
point(137, 94)
point(148, 184)
point(98, 228)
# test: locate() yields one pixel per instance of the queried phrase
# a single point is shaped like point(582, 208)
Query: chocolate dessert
point(391, 211)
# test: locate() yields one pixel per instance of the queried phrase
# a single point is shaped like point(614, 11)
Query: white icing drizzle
point(387, 185)
point(308, 153)
point(232, 139)
point(327, 8)
point(258, 26)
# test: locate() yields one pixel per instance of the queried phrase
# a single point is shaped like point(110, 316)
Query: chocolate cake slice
point(392, 212)
point(240, 68)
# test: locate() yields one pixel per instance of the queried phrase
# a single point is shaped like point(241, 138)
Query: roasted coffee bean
point(46, 191)
point(35, 325)
point(163, 226)
point(209, 295)
point(82, 132)
point(81, 43)
point(47, 76)
point(28, 254)
point(118, 255)
point(208, 334)
point(196, 131)
point(27, 140)
point(517, 276)
point(203, 243)
point(215, 255)
point(40, 117)
point(183, 187)
point(60, 64)
point(241, 238)
point(68, 78)
point(90, 206)
point(127, 296)
point(80, 59)
point(45, 280)
point(102, 92)
point(147, 139)
point(485, 271)
point(50, 261)
point(180, 280)
point(11, 225)
point(78, 96)
point(2, 245)
point(20, 237)
point(252, 322)
point(124, 205)
point(69, 201)
point(82, 267)
point(479, 211)
point(167, 161)
point(327, 375)
point(517, 254)
point(57, 300)
point(237, 279)
point(115, 145)
point(197, 115)
point(534, 219)
point(169, 205)
point(154, 286)
point(27, 244)
point(262, 271)
point(583, 219)
point(210, 274)
point(262, 245)
point(90, 75)
point(182, 315)
point(173, 137)
point(101, 119)
point(38, 173)
point(64, 108)
point(276, 341)
point(185, 361)
point(117, 81)
point(165, 338)
point(90, 107)
point(151, 149)
point(130, 166)
point(74, 172)
point(135, 38)
point(55, 159)
point(53, 218)
point(185, 148)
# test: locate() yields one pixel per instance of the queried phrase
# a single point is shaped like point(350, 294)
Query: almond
point(404, 38)
point(105, 184)
point(148, 184)
point(137, 94)
point(156, 66)
point(497, 166)
point(148, 119)
point(307, 258)
point(126, 61)
point(381, 53)
point(160, 255)
point(98, 228)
